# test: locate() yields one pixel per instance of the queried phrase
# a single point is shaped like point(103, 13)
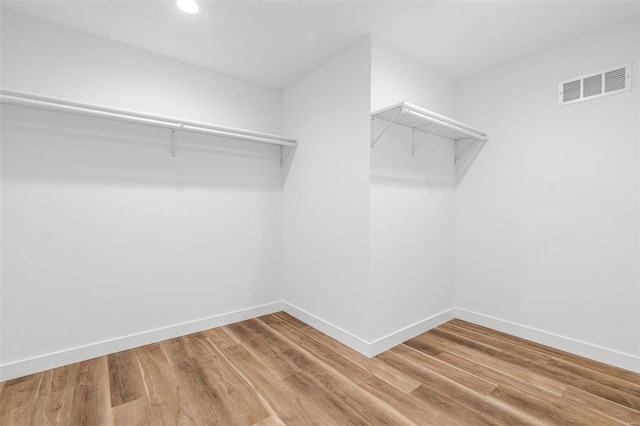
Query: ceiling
point(273, 43)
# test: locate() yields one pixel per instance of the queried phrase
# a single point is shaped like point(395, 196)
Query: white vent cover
point(594, 85)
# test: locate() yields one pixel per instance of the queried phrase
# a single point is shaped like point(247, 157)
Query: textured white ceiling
point(273, 43)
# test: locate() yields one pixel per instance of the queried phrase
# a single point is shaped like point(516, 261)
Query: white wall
point(326, 193)
point(51, 60)
point(547, 215)
point(105, 234)
point(397, 76)
point(412, 198)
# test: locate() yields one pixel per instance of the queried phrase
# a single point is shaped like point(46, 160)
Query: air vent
point(571, 91)
point(615, 80)
point(594, 85)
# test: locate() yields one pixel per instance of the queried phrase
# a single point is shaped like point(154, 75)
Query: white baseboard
point(397, 337)
point(25, 367)
point(587, 350)
point(331, 330)
point(366, 348)
point(57, 359)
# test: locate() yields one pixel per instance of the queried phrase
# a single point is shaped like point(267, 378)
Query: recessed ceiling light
point(188, 6)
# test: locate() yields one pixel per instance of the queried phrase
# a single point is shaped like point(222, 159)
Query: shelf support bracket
point(285, 152)
point(413, 146)
point(413, 149)
point(174, 139)
point(463, 153)
point(174, 143)
point(375, 140)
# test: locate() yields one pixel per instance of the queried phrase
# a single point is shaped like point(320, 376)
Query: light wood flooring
point(276, 370)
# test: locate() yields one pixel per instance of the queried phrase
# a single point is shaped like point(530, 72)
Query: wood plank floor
point(276, 370)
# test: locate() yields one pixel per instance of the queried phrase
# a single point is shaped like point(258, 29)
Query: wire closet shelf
point(174, 124)
point(417, 118)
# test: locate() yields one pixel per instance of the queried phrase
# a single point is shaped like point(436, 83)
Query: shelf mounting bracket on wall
point(174, 139)
point(285, 153)
point(413, 137)
point(463, 153)
point(374, 141)
point(415, 149)
point(174, 143)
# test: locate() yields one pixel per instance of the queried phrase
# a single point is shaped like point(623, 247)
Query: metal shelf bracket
point(285, 153)
point(174, 143)
point(174, 139)
point(463, 153)
point(375, 140)
point(413, 147)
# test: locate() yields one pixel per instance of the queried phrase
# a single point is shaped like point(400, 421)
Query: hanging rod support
point(174, 144)
point(285, 153)
point(463, 153)
point(413, 149)
point(374, 141)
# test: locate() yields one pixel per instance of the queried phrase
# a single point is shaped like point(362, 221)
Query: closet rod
point(41, 102)
point(443, 121)
point(473, 134)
